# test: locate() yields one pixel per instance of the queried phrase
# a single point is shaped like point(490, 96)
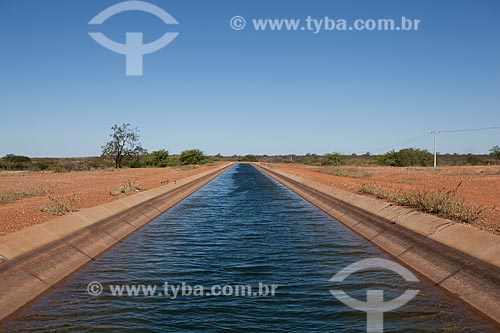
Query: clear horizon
point(251, 92)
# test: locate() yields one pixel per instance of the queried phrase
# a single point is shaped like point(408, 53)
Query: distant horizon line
point(261, 155)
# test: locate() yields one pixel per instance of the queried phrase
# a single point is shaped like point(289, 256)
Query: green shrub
point(473, 160)
point(192, 156)
point(174, 161)
point(248, 158)
point(44, 164)
point(16, 158)
point(157, 159)
point(15, 162)
point(406, 157)
point(333, 159)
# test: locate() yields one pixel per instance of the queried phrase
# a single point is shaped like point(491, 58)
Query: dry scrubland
point(28, 197)
point(468, 194)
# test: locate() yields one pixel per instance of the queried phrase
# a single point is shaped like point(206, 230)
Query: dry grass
point(426, 169)
point(490, 172)
point(351, 172)
point(126, 188)
point(444, 204)
point(186, 167)
point(13, 196)
point(405, 181)
point(487, 171)
point(60, 206)
point(12, 173)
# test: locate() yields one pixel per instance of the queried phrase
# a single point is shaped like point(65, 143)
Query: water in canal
point(243, 228)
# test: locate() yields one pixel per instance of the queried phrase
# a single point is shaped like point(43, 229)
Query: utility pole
point(435, 147)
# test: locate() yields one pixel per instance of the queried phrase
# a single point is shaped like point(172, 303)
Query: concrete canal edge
point(462, 260)
point(34, 259)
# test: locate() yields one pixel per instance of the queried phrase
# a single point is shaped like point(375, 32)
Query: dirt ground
point(89, 188)
point(480, 185)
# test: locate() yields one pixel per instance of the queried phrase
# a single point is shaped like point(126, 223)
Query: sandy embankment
point(89, 188)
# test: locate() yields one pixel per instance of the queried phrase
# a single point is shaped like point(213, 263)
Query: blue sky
point(239, 92)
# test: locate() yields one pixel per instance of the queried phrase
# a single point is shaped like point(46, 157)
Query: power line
point(424, 135)
point(435, 133)
point(394, 145)
point(470, 130)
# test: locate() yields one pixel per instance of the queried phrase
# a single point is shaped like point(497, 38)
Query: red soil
point(89, 188)
point(480, 185)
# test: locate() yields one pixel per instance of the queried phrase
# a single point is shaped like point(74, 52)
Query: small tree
point(192, 156)
point(495, 152)
point(124, 144)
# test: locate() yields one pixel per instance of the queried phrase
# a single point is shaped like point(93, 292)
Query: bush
point(311, 159)
point(406, 157)
point(473, 160)
point(99, 163)
point(333, 159)
point(192, 156)
point(248, 158)
point(126, 188)
point(157, 159)
point(16, 158)
point(60, 206)
point(174, 161)
point(44, 164)
point(15, 162)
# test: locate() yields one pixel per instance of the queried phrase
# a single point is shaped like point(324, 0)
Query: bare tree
point(124, 144)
